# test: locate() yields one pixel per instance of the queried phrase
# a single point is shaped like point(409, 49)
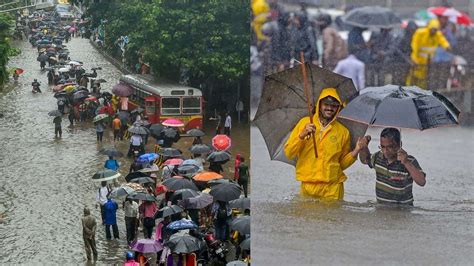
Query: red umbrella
point(173, 122)
point(19, 71)
point(454, 15)
point(221, 142)
point(174, 161)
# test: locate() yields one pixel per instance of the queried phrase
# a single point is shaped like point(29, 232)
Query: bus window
point(191, 105)
point(170, 106)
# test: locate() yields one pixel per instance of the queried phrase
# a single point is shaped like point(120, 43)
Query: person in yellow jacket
point(322, 177)
point(260, 11)
point(423, 44)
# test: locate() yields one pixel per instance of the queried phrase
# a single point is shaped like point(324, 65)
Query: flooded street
point(46, 183)
point(439, 230)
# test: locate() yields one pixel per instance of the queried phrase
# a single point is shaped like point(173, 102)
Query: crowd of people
point(400, 56)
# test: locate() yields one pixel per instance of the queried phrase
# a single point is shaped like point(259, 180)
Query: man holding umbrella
point(322, 176)
point(394, 168)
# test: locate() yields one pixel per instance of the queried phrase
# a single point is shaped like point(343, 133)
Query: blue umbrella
point(182, 224)
point(147, 157)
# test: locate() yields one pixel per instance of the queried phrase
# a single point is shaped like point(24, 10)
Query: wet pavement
point(439, 230)
point(46, 182)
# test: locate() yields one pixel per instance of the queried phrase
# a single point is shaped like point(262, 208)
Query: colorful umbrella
point(207, 176)
point(221, 142)
point(147, 157)
point(19, 71)
point(182, 225)
point(173, 122)
point(146, 246)
point(454, 15)
point(174, 161)
point(97, 118)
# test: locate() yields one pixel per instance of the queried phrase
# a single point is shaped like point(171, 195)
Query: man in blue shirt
point(111, 219)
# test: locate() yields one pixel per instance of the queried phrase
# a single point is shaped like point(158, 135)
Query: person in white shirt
point(353, 68)
point(135, 144)
point(227, 124)
point(101, 198)
point(131, 218)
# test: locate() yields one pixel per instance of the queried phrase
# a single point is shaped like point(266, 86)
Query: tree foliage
point(6, 23)
point(208, 39)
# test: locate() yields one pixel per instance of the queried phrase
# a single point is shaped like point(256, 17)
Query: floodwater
point(46, 182)
point(439, 230)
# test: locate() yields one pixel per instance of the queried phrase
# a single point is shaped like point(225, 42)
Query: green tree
point(6, 23)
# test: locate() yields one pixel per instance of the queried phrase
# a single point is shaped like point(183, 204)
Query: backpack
point(221, 213)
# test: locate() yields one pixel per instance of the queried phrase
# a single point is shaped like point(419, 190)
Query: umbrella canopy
point(453, 14)
point(173, 122)
point(240, 203)
point(183, 243)
point(63, 70)
point(142, 180)
point(135, 186)
point(401, 107)
point(181, 194)
point(198, 202)
point(137, 110)
point(207, 176)
point(169, 133)
point(241, 224)
point(122, 90)
point(188, 170)
point(174, 161)
point(113, 152)
point(138, 130)
point(283, 104)
point(200, 149)
point(170, 152)
point(218, 157)
point(245, 245)
point(216, 182)
point(100, 117)
point(168, 211)
point(147, 157)
point(156, 130)
point(100, 81)
point(221, 142)
point(179, 183)
point(105, 175)
point(42, 58)
point(75, 63)
point(55, 113)
point(226, 192)
point(141, 196)
point(134, 175)
point(371, 16)
point(123, 115)
point(182, 224)
point(146, 246)
point(195, 132)
point(237, 263)
point(121, 192)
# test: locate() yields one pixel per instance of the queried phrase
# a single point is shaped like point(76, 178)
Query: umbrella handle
point(306, 93)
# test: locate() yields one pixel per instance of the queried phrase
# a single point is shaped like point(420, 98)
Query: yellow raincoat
point(321, 177)
point(260, 10)
point(423, 47)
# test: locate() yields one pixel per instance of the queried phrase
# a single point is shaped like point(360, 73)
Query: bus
point(164, 99)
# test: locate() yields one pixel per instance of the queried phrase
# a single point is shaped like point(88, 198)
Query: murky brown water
point(45, 183)
point(439, 230)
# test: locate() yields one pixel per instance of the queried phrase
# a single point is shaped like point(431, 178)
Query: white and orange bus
point(163, 99)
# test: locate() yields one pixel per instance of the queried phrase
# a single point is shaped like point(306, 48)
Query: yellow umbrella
point(69, 88)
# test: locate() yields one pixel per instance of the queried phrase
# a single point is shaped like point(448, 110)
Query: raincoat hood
point(433, 24)
point(325, 93)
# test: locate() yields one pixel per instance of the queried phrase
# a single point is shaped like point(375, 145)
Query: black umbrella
point(142, 180)
point(245, 245)
point(371, 16)
point(169, 132)
point(100, 81)
point(181, 194)
point(218, 157)
point(80, 95)
point(198, 202)
point(55, 113)
point(179, 183)
point(123, 115)
point(105, 175)
point(401, 107)
point(226, 192)
point(283, 104)
point(43, 58)
point(200, 149)
point(113, 152)
point(134, 175)
point(240, 203)
point(156, 130)
point(195, 132)
point(219, 181)
point(188, 170)
point(141, 196)
point(138, 130)
point(241, 224)
point(170, 152)
point(168, 211)
point(183, 243)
